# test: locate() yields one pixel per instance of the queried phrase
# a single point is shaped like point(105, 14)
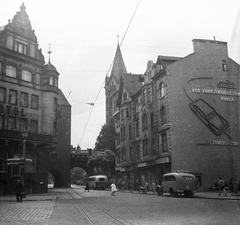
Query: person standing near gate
point(19, 191)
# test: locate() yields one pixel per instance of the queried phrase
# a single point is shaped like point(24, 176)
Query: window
point(137, 127)
point(148, 95)
point(138, 152)
point(3, 161)
point(11, 123)
point(56, 82)
point(12, 97)
point(162, 89)
point(130, 131)
point(125, 96)
point(123, 133)
point(37, 79)
point(145, 120)
point(163, 114)
point(34, 102)
point(54, 128)
point(1, 121)
point(55, 105)
point(145, 146)
point(24, 99)
point(51, 81)
point(21, 48)
point(23, 124)
point(1, 67)
point(144, 96)
point(33, 126)
point(11, 71)
point(224, 65)
point(30, 164)
point(2, 94)
point(122, 114)
point(27, 76)
point(164, 143)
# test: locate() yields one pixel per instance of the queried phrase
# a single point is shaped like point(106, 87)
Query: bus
point(98, 182)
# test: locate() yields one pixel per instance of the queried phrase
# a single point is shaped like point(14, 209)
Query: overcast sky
point(83, 37)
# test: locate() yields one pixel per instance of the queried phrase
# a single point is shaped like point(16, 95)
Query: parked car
point(176, 183)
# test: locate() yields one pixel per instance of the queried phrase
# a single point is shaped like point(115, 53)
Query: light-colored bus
point(179, 183)
point(98, 182)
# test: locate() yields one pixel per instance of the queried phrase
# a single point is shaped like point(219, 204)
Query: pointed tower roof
point(118, 67)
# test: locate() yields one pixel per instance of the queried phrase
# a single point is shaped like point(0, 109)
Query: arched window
point(11, 71)
point(27, 76)
point(162, 89)
point(30, 163)
point(3, 161)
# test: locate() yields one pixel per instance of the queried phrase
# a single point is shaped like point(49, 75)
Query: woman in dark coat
point(87, 187)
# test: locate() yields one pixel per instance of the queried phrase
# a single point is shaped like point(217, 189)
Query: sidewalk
point(201, 194)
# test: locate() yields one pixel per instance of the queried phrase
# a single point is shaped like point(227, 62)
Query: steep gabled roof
point(118, 67)
point(131, 83)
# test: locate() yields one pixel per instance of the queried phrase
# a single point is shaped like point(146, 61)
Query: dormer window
point(21, 48)
point(224, 65)
point(26, 76)
point(51, 81)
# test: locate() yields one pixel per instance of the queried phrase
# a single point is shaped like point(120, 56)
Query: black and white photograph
point(119, 112)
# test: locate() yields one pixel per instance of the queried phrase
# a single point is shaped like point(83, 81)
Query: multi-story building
point(32, 104)
point(184, 116)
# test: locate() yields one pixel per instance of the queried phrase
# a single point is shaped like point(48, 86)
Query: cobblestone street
point(27, 212)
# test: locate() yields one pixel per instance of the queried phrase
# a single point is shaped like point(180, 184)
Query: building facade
point(182, 115)
point(32, 104)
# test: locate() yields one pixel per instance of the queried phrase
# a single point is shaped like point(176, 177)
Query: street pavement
point(36, 209)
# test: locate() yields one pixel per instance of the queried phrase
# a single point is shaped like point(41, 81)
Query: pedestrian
point(221, 186)
point(231, 186)
point(235, 187)
point(113, 189)
point(87, 187)
point(154, 185)
point(19, 189)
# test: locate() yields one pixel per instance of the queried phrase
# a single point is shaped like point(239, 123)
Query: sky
point(83, 37)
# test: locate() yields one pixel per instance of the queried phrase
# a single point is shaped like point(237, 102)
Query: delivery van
point(178, 183)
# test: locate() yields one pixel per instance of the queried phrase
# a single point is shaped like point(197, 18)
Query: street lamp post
point(23, 159)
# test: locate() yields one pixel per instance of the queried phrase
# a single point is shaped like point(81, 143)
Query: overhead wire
point(92, 104)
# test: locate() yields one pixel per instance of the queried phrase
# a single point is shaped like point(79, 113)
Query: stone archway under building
point(58, 178)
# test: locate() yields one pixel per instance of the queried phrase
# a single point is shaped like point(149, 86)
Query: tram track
point(93, 214)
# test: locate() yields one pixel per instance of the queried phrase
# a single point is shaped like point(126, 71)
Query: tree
point(102, 162)
point(77, 174)
point(106, 137)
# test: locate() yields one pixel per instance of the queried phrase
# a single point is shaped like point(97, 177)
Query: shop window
point(24, 99)
point(26, 76)
point(3, 161)
point(11, 71)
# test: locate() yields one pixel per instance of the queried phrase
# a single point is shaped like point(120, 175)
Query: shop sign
point(218, 143)
point(163, 160)
point(142, 164)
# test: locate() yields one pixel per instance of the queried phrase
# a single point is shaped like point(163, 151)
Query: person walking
point(235, 187)
point(19, 191)
point(113, 189)
point(221, 186)
point(87, 188)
